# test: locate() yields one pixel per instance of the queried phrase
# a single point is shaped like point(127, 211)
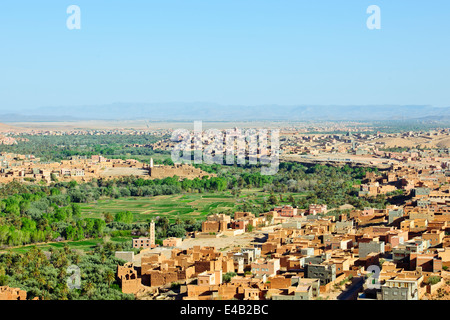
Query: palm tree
point(66, 249)
point(41, 280)
point(50, 286)
point(36, 273)
point(110, 277)
point(63, 295)
point(76, 258)
point(62, 274)
point(89, 288)
point(45, 295)
point(8, 260)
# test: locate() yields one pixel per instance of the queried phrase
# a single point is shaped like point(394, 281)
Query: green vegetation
point(123, 207)
point(82, 245)
point(433, 280)
point(56, 148)
point(227, 276)
point(45, 275)
point(185, 206)
point(345, 280)
point(397, 149)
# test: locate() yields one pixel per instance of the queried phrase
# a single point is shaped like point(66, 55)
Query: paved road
point(350, 293)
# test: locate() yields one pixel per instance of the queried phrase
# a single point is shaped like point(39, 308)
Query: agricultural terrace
point(184, 206)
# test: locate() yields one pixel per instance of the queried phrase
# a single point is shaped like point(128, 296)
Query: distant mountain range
point(215, 112)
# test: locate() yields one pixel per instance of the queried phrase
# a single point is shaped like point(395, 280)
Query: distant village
point(356, 147)
point(17, 167)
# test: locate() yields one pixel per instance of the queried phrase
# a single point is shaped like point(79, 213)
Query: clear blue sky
point(225, 51)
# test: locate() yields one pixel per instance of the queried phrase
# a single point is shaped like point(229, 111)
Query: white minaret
point(151, 162)
point(152, 233)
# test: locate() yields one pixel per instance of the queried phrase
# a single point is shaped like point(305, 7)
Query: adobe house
point(172, 242)
point(435, 237)
point(425, 262)
point(129, 281)
point(269, 267)
point(8, 293)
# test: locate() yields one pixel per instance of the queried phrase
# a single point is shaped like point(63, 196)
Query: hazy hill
point(216, 112)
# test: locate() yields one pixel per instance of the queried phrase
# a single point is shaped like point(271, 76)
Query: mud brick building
point(286, 211)
point(216, 223)
point(365, 248)
point(317, 209)
point(179, 170)
point(265, 267)
point(435, 237)
point(7, 293)
point(128, 278)
point(172, 242)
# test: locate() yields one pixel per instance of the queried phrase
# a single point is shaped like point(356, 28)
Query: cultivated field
point(83, 245)
point(191, 205)
point(170, 206)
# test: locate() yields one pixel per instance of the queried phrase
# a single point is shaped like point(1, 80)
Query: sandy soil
point(123, 172)
point(442, 141)
point(10, 128)
point(223, 244)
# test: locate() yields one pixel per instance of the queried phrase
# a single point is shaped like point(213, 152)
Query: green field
point(84, 245)
point(192, 205)
point(171, 206)
point(189, 205)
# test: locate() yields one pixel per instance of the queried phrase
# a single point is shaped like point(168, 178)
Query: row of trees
point(30, 218)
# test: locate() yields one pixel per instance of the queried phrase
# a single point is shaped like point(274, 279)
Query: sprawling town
point(393, 246)
point(304, 254)
point(224, 159)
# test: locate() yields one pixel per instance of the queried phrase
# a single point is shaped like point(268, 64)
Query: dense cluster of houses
point(6, 140)
point(309, 254)
point(27, 167)
point(88, 132)
point(369, 145)
point(430, 183)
